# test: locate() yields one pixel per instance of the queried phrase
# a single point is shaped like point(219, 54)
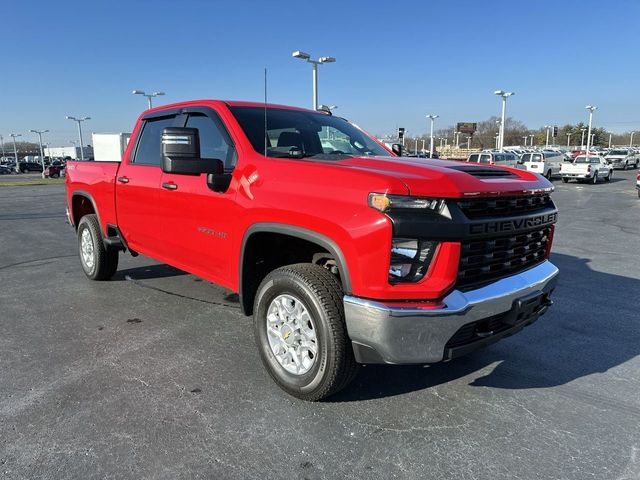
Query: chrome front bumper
point(385, 333)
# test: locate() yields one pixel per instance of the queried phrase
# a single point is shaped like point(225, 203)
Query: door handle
point(170, 186)
point(123, 179)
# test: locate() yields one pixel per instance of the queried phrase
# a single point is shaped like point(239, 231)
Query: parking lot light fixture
point(631, 140)
point(148, 95)
point(15, 149)
point(532, 137)
point(306, 57)
point(39, 133)
point(591, 109)
point(2, 144)
point(432, 118)
point(582, 138)
point(504, 96)
point(79, 120)
point(568, 139)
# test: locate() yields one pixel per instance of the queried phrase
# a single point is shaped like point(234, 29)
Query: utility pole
point(40, 132)
point(15, 149)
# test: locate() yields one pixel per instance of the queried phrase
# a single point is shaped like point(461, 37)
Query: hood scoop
point(483, 172)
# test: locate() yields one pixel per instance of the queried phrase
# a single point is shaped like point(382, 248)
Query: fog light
point(410, 259)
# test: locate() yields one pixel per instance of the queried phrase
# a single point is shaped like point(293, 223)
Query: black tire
point(105, 262)
point(626, 165)
point(608, 177)
point(321, 293)
point(548, 175)
point(594, 180)
point(565, 180)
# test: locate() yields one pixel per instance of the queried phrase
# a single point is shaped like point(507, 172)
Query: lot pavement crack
point(27, 262)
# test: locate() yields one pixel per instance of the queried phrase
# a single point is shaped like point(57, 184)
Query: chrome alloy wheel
point(292, 334)
point(86, 248)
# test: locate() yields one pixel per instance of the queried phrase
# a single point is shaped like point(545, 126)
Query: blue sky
point(396, 61)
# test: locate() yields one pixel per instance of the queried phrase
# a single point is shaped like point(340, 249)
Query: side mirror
point(397, 149)
point(181, 153)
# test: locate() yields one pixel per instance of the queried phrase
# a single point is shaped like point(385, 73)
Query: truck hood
point(451, 179)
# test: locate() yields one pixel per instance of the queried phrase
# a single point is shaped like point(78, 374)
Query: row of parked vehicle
point(569, 165)
point(53, 168)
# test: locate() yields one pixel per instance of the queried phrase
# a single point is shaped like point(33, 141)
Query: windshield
point(584, 160)
point(617, 152)
point(298, 134)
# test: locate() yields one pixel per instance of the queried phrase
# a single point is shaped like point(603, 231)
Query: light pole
point(148, 95)
point(582, 138)
point(315, 63)
point(631, 141)
point(15, 149)
point(457, 134)
point(504, 96)
point(610, 135)
point(39, 133)
point(532, 137)
point(2, 144)
point(432, 117)
point(568, 139)
point(547, 127)
point(80, 120)
point(497, 139)
point(591, 109)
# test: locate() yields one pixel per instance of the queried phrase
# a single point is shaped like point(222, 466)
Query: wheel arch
point(247, 288)
point(82, 203)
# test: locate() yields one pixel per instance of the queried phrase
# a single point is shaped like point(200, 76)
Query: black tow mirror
point(181, 153)
point(397, 148)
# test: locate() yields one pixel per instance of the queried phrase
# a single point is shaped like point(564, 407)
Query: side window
point(485, 158)
point(473, 158)
point(213, 143)
point(148, 152)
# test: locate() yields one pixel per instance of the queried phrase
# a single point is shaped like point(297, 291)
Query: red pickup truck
point(344, 253)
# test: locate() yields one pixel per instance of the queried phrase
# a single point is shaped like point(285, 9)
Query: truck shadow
point(592, 328)
point(158, 270)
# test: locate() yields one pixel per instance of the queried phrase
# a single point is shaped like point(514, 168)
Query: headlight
point(410, 259)
point(384, 202)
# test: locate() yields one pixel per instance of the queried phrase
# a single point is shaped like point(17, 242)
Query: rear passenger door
point(137, 185)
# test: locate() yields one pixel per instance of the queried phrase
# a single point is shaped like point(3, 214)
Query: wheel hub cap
point(292, 334)
point(86, 248)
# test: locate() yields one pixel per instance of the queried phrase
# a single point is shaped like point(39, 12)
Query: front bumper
point(385, 333)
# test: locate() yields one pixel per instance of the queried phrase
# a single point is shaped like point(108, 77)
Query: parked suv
point(547, 163)
point(622, 158)
point(502, 159)
point(25, 167)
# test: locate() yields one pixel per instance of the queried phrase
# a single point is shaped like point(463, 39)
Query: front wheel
point(608, 177)
point(595, 178)
point(565, 180)
point(97, 262)
point(301, 333)
point(548, 175)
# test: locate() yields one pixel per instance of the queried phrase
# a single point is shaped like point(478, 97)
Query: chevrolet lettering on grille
point(515, 225)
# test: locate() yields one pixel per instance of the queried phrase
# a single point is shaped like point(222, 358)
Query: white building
point(73, 152)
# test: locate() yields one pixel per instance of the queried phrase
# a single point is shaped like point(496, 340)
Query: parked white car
point(622, 158)
point(547, 163)
point(585, 168)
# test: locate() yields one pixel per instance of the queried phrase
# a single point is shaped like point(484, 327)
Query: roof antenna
point(265, 111)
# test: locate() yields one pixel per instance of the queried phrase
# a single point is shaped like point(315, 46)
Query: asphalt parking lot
point(155, 374)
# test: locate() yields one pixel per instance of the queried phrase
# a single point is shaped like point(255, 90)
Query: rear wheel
point(98, 263)
point(300, 331)
point(565, 180)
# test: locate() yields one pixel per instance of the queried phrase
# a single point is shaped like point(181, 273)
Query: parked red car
point(342, 252)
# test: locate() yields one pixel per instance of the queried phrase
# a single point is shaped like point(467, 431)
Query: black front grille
point(492, 207)
point(488, 259)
